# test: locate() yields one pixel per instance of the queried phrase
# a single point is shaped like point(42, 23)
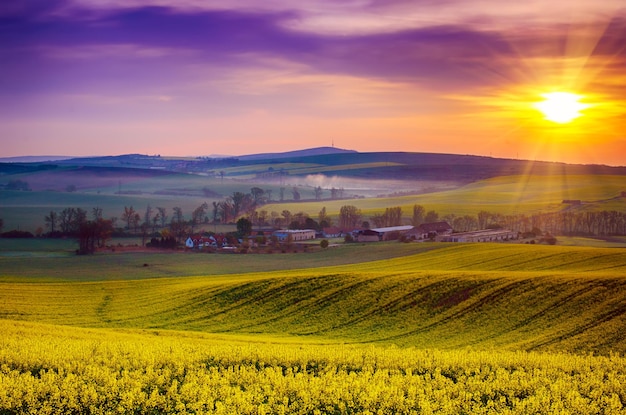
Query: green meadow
point(505, 195)
point(421, 328)
point(514, 297)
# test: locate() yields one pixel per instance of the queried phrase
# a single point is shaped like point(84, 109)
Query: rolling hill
point(486, 296)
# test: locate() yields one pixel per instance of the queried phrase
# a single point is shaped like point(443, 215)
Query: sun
point(561, 107)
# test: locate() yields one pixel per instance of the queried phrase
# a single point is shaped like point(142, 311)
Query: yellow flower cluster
point(59, 370)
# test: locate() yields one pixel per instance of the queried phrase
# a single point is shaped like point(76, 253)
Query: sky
point(234, 77)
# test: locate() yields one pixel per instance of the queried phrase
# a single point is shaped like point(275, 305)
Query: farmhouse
point(199, 242)
point(332, 232)
point(485, 235)
point(296, 234)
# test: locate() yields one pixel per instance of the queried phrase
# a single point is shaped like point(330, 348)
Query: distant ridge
point(317, 151)
point(33, 159)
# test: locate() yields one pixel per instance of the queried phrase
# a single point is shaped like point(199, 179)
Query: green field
point(506, 195)
point(554, 298)
point(380, 328)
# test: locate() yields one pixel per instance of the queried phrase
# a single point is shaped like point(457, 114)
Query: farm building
point(388, 232)
point(296, 234)
point(368, 235)
point(486, 235)
point(429, 230)
point(332, 232)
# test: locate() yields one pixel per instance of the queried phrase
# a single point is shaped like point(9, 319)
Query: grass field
point(506, 195)
point(418, 329)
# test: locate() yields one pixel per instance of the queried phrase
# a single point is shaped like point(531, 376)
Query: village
point(426, 232)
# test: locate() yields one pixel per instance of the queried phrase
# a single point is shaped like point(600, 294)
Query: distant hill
point(330, 161)
point(33, 159)
point(317, 151)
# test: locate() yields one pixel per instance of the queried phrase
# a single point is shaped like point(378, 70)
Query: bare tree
point(349, 216)
point(318, 192)
point(257, 196)
point(128, 215)
point(198, 215)
point(96, 213)
point(162, 215)
point(51, 220)
point(296, 193)
point(147, 217)
point(418, 215)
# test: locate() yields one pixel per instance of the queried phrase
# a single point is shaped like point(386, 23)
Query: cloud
point(119, 40)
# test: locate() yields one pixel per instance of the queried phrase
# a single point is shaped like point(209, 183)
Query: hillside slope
point(482, 296)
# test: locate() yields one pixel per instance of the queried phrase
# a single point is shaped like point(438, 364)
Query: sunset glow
point(561, 107)
point(80, 77)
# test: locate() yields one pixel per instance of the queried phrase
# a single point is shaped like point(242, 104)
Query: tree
point(225, 210)
point(296, 193)
point(318, 192)
point(281, 194)
point(418, 215)
point(80, 217)
point(70, 220)
point(162, 216)
point(237, 200)
point(431, 216)
point(216, 211)
point(349, 216)
point(51, 220)
point(257, 196)
point(92, 234)
point(483, 219)
point(147, 216)
point(96, 213)
point(244, 227)
point(286, 217)
point(178, 226)
point(323, 219)
point(310, 223)
point(136, 220)
point(198, 215)
point(155, 222)
point(128, 215)
point(1, 224)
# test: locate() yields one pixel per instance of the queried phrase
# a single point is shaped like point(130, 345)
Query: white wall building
point(296, 234)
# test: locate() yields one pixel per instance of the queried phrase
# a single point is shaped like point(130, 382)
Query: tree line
point(161, 222)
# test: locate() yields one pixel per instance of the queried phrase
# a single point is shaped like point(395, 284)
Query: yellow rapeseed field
point(465, 329)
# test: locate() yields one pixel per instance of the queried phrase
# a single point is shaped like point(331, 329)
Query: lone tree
point(244, 227)
point(93, 234)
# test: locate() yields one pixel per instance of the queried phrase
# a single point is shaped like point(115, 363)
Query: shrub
point(17, 234)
